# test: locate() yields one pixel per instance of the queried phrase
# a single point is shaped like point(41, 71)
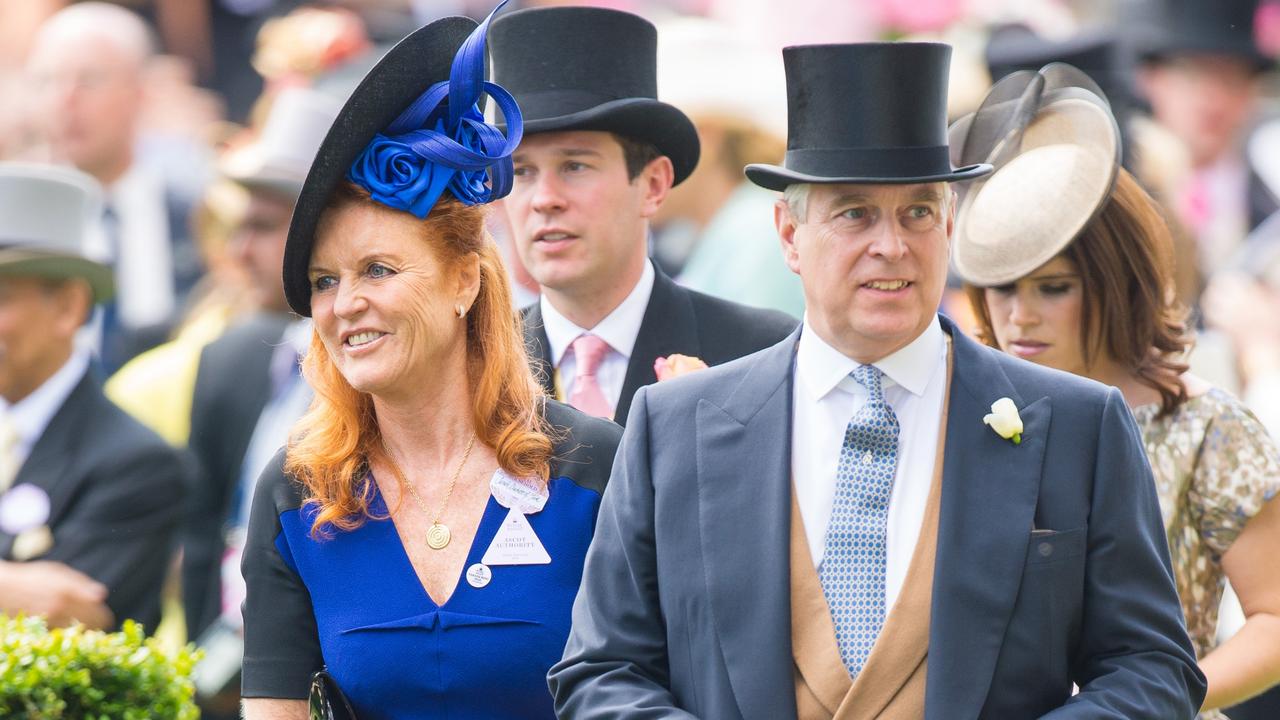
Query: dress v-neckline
point(484, 531)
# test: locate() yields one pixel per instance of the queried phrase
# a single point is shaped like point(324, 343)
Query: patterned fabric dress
point(1215, 467)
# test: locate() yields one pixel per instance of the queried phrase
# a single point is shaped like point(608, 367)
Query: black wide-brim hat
point(416, 63)
point(582, 68)
point(866, 113)
point(1202, 27)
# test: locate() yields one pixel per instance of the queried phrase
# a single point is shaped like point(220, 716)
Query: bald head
point(86, 67)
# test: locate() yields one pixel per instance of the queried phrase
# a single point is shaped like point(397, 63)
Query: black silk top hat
point(865, 113)
point(581, 68)
point(411, 131)
point(1202, 27)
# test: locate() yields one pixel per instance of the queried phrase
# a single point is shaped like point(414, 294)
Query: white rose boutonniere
point(1004, 419)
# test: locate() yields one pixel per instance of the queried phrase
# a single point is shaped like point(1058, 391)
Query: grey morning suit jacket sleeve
point(615, 662)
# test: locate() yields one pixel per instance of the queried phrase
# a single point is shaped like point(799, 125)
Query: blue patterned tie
point(853, 559)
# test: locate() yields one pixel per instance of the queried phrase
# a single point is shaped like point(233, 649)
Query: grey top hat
point(45, 213)
point(278, 160)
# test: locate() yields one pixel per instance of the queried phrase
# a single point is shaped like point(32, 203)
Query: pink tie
point(588, 352)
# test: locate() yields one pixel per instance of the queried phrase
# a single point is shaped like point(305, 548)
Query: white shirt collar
point(820, 367)
point(619, 328)
point(32, 414)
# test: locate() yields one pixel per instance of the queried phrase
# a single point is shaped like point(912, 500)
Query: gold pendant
point(438, 536)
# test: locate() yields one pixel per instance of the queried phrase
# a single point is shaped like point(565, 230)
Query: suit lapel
point(668, 327)
point(744, 496)
point(989, 492)
point(48, 465)
point(538, 348)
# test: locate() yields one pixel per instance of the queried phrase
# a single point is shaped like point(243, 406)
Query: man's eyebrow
point(564, 152)
point(849, 199)
point(928, 195)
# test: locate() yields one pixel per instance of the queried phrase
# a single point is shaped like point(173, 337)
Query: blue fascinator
point(410, 131)
point(436, 145)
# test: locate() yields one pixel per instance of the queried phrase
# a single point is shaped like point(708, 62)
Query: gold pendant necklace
point(438, 535)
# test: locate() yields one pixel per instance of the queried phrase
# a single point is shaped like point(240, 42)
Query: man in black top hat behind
point(599, 154)
point(878, 516)
point(1201, 71)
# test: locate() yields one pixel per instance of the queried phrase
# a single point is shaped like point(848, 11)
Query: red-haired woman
point(1083, 282)
point(423, 534)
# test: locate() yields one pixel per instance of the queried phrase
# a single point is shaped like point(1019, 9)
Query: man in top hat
point(88, 65)
point(89, 499)
point(599, 155)
point(1201, 70)
point(842, 525)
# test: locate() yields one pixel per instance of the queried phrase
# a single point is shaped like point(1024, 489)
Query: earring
point(462, 312)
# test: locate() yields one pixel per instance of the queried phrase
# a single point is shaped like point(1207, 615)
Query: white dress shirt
point(32, 414)
point(826, 399)
point(144, 260)
point(619, 329)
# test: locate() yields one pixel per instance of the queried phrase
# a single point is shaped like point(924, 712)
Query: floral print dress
point(1215, 467)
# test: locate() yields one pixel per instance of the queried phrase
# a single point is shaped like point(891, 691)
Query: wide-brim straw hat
point(1055, 146)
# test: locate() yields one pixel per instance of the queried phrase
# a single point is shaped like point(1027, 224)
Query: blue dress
point(354, 603)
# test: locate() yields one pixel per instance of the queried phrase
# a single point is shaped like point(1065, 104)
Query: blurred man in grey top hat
point(248, 392)
point(89, 499)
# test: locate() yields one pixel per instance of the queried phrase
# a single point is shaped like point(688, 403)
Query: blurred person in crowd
point(1084, 285)
point(432, 497)
point(1200, 72)
point(155, 386)
point(247, 389)
point(89, 499)
point(853, 540)
point(712, 230)
point(599, 156)
point(87, 65)
point(1242, 301)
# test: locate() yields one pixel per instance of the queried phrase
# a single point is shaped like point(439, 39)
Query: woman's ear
point(468, 279)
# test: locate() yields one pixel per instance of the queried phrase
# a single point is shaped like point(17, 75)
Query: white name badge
point(527, 495)
point(479, 575)
point(515, 543)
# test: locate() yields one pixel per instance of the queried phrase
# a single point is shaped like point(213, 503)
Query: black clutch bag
point(326, 701)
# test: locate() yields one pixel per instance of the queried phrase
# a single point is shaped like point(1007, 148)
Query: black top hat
point(400, 77)
point(1202, 27)
point(1098, 52)
point(579, 68)
point(865, 113)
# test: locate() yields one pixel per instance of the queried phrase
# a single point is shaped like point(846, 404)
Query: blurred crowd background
point(199, 118)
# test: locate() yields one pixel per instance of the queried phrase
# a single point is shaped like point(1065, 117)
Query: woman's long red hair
point(332, 444)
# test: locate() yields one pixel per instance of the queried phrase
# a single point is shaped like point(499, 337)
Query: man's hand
point(54, 591)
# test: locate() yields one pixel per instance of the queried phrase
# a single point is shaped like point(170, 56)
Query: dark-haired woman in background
point(423, 535)
point(1082, 282)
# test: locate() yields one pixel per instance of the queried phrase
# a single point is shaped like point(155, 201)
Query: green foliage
point(78, 674)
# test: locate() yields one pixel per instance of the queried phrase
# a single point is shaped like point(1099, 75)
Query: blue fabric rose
point(441, 142)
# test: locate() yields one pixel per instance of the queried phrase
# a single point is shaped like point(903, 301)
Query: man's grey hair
point(797, 198)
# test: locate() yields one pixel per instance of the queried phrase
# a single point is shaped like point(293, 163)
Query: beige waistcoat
point(891, 684)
